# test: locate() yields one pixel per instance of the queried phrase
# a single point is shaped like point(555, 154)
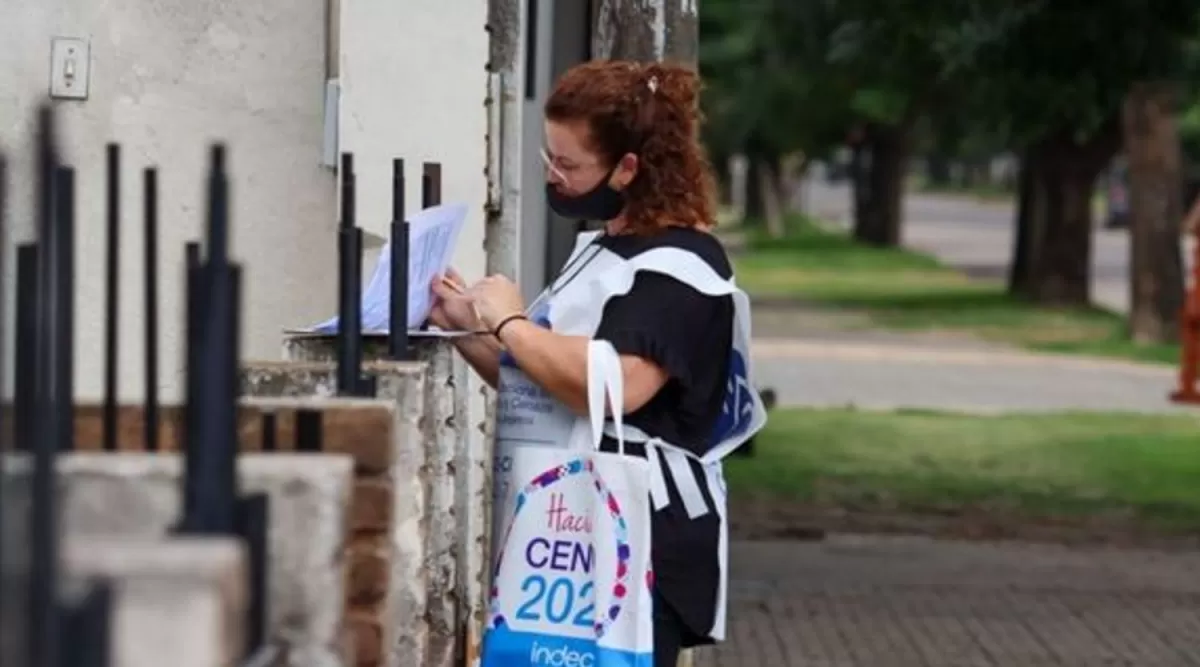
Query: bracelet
point(505, 321)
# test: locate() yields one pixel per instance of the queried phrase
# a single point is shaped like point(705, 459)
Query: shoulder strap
point(742, 413)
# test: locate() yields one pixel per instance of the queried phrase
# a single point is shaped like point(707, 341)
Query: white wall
point(414, 80)
point(169, 75)
point(166, 77)
point(414, 83)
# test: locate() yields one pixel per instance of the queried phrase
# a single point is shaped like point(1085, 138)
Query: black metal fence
point(38, 626)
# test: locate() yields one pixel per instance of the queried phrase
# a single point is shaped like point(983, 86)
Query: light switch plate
point(70, 68)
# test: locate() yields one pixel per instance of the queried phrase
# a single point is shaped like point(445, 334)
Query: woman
point(622, 147)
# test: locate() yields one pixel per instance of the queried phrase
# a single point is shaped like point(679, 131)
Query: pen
point(452, 285)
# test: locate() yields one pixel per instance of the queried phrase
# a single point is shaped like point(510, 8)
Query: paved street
point(911, 602)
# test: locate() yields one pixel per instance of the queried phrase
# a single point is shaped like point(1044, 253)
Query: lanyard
point(566, 275)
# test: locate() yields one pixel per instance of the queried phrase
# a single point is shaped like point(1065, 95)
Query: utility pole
point(647, 30)
point(506, 24)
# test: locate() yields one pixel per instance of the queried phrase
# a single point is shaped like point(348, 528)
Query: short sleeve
point(665, 321)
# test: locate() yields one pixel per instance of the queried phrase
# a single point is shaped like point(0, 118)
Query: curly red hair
point(650, 110)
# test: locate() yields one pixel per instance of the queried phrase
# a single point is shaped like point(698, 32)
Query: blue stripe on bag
point(505, 648)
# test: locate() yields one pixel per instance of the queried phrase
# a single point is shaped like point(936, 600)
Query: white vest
point(575, 308)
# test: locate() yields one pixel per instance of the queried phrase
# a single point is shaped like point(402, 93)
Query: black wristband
point(505, 321)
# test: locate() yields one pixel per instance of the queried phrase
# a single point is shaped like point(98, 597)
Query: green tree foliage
point(1044, 78)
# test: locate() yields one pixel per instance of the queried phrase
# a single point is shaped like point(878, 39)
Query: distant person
point(621, 147)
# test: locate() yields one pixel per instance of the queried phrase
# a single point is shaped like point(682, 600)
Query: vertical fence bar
point(431, 184)
point(27, 344)
point(7, 572)
point(112, 293)
point(221, 346)
point(89, 628)
point(270, 432)
point(212, 466)
point(191, 329)
point(398, 291)
point(349, 358)
point(252, 515)
point(310, 425)
point(150, 239)
point(44, 638)
point(64, 335)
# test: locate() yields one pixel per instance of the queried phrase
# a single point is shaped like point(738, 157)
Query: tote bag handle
point(605, 381)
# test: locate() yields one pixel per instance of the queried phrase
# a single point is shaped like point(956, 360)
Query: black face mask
point(602, 202)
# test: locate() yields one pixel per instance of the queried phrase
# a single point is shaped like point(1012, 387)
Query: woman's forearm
point(557, 363)
point(483, 354)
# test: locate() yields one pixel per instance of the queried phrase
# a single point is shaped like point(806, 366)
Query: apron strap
point(685, 481)
point(677, 461)
point(658, 481)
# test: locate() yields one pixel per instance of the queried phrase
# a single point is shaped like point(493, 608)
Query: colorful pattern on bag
point(621, 578)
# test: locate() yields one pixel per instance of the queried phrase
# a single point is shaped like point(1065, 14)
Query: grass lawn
point(901, 289)
point(1145, 467)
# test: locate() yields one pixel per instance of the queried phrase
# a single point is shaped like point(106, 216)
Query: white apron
point(534, 431)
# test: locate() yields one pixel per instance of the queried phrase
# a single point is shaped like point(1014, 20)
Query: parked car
point(1116, 193)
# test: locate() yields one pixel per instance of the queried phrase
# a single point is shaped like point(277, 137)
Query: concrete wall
point(169, 75)
point(166, 77)
point(414, 80)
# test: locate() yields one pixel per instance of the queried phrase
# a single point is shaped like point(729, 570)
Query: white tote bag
point(572, 580)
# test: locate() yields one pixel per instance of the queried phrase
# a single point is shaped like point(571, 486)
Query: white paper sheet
point(433, 234)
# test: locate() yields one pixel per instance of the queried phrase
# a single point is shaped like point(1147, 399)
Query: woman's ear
point(626, 171)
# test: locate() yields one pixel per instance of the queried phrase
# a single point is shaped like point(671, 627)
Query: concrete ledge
point(459, 504)
point(404, 522)
point(137, 495)
point(180, 601)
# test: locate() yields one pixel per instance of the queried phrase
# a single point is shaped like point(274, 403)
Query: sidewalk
point(814, 358)
point(854, 601)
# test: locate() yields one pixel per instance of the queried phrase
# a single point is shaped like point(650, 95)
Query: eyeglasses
point(564, 172)
point(555, 170)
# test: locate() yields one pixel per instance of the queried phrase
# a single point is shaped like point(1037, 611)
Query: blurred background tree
point(944, 95)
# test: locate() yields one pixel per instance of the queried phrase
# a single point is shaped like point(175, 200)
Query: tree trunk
point(792, 171)
point(1062, 263)
point(755, 211)
point(860, 184)
point(1026, 229)
point(1155, 209)
point(1059, 255)
point(937, 170)
point(737, 167)
point(878, 221)
point(772, 200)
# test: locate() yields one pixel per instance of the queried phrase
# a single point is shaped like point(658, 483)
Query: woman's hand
point(452, 308)
point(496, 298)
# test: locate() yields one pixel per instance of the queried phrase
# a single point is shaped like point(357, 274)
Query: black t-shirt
point(688, 334)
